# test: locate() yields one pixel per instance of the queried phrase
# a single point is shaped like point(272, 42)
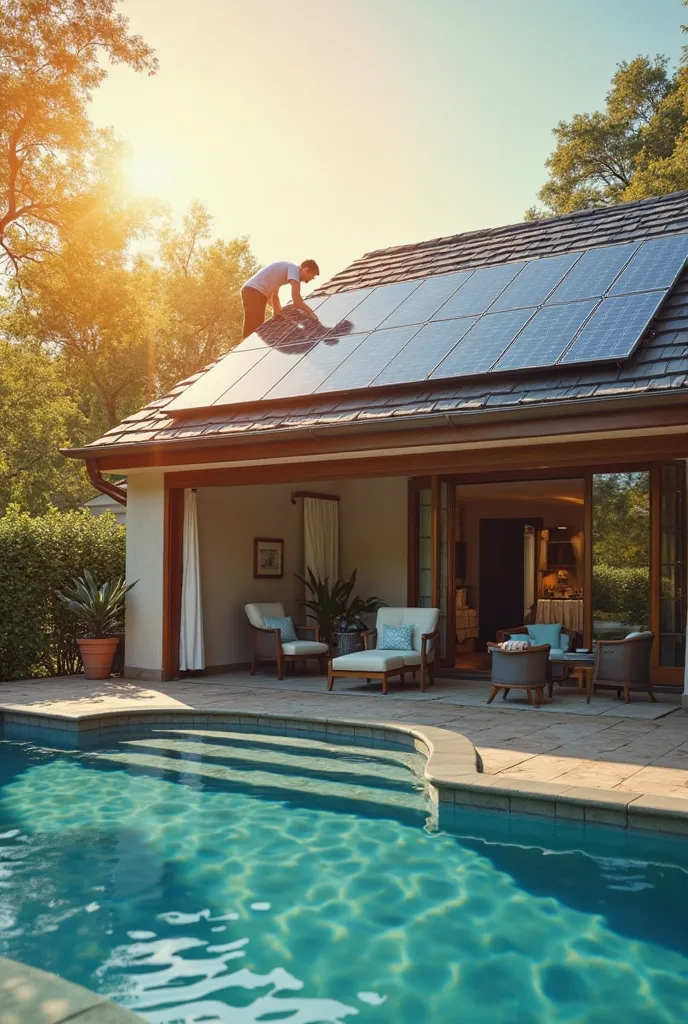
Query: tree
point(88, 307)
point(37, 418)
point(627, 151)
point(198, 306)
point(50, 62)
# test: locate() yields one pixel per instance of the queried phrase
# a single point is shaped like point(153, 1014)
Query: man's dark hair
point(310, 265)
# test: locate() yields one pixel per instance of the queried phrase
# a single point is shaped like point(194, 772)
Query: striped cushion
point(285, 626)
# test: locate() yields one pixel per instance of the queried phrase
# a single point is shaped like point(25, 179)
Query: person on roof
point(264, 287)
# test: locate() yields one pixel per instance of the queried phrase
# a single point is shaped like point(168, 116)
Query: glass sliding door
point(672, 565)
point(621, 544)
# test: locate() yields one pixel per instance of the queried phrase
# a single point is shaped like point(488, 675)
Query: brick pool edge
point(453, 769)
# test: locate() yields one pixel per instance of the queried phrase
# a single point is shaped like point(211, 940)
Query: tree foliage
point(37, 418)
point(52, 55)
point(635, 148)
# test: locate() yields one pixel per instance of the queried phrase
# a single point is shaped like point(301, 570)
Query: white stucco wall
point(374, 536)
point(373, 539)
point(145, 538)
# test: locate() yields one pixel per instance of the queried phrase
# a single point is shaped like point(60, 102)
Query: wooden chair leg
point(493, 694)
point(504, 692)
point(403, 677)
point(652, 696)
point(422, 678)
point(384, 684)
point(627, 695)
point(529, 694)
point(540, 694)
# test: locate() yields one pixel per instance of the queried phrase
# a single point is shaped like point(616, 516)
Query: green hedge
point(621, 595)
point(38, 556)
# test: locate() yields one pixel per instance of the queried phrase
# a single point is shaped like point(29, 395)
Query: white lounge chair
point(377, 663)
point(267, 645)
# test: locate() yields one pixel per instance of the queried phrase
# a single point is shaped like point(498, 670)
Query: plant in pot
point(338, 614)
point(99, 611)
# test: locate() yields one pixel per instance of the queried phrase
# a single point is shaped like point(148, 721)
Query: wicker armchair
point(624, 665)
point(527, 669)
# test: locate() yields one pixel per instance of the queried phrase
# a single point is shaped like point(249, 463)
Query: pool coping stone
point(453, 767)
point(31, 996)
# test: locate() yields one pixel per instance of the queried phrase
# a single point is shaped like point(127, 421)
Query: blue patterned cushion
point(396, 638)
point(285, 626)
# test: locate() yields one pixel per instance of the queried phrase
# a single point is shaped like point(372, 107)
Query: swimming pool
point(216, 876)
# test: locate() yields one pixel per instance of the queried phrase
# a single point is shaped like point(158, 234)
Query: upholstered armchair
point(376, 662)
point(624, 665)
point(526, 669)
point(267, 643)
point(568, 642)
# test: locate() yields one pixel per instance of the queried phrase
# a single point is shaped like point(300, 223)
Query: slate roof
point(659, 365)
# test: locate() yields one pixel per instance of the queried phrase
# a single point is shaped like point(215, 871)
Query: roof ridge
point(524, 225)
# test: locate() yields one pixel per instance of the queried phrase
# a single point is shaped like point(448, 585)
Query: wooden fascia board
point(574, 456)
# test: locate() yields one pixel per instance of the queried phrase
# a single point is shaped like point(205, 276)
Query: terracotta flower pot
point(97, 656)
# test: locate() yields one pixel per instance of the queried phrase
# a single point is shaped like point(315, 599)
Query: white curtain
point(321, 537)
point(191, 654)
point(544, 541)
point(529, 566)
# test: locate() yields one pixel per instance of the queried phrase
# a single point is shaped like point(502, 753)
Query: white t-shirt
point(271, 278)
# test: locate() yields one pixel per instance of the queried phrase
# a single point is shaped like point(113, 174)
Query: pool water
point(216, 876)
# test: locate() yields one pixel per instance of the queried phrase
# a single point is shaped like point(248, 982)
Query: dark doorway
point(501, 575)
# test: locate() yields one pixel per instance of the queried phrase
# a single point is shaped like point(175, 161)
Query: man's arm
point(297, 300)
point(275, 303)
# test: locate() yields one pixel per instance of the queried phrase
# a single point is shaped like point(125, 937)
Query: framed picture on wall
point(268, 558)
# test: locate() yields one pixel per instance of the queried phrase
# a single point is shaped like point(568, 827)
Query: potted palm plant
point(337, 612)
point(99, 611)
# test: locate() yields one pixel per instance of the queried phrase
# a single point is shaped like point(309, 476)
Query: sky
point(328, 128)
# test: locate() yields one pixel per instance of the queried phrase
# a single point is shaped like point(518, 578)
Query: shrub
point(39, 556)
point(621, 595)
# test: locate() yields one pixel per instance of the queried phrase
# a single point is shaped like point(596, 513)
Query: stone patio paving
point(641, 747)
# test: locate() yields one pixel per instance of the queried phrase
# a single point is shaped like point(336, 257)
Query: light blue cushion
point(285, 626)
point(545, 633)
point(523, 637)
point(396, 638)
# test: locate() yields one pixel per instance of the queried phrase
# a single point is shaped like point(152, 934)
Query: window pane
point(620, 554)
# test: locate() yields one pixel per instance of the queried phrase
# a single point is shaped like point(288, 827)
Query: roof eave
point(551, 410)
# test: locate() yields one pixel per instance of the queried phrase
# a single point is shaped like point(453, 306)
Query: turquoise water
point(209, 876)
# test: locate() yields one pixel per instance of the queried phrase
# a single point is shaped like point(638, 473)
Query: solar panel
point(255, 384)
point(656, 264)
point(337, 307)
point(547, 336)
point(378, 305)
point(534, 283)
point(316, 365)
point(594, 273)
point(483, 344)
point(615, 328)
point(426, 299)
point(479, 291)
point(371, 356)
point(208, 388)
point(581, 307)
point(425, 351)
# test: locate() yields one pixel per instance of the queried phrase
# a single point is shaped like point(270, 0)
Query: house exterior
point(400, 442)
point(101, 503)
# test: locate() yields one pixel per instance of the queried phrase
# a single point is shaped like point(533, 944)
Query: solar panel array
point(583, 307)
